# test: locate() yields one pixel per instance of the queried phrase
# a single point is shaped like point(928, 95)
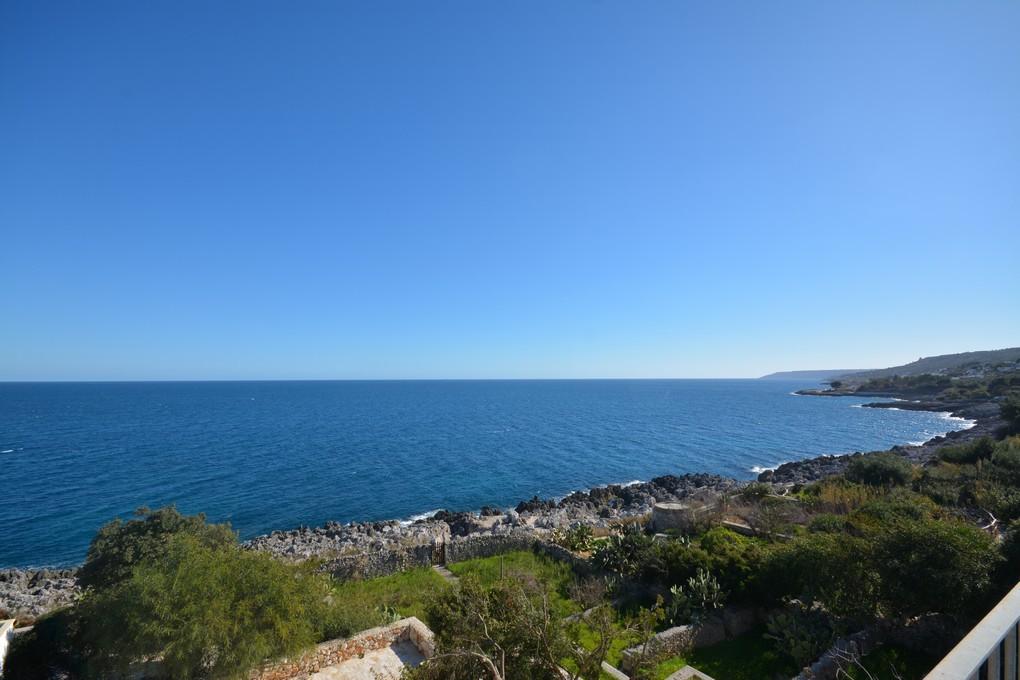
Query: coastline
point(33, 592)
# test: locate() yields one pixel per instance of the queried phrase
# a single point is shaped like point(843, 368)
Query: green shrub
point(827, 523)
point(933, 566)
point(578, 537)
point(204, 611)
point(899, 503)
point(1010, 410)
point(119, 546)
point(692, 601)
point(969, 453)
point(755, 491)
point(632, 554)
point(800, 634)
point(879, 469)
point(833, 569)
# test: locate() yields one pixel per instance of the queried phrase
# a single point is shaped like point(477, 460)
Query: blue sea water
point(273, 455)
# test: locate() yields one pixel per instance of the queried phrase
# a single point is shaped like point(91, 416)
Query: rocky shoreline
point(984, 415)
point(29, 593)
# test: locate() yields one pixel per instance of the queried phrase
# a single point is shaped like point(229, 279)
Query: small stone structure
point(335, 652)
point(6, 635)
point(681, 516)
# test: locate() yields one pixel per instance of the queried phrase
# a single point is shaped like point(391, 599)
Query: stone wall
point(476, 546)
point(383, 562)
point(731, 622)
point(333, 652)
point(363, 565)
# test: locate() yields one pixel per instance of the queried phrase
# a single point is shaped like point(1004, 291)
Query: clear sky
point(380, 189)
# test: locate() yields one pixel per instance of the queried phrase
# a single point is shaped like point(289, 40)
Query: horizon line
point(225, 380)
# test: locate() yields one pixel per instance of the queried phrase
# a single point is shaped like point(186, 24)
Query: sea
point(280, 454)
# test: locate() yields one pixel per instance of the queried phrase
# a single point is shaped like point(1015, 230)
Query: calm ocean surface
point(273, 455)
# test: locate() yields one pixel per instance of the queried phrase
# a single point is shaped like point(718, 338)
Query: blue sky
point(504, 189)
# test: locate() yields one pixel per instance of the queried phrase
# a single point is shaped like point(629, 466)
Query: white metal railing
point(989, 652)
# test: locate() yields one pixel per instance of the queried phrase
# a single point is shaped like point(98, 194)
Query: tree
point(119, 546)
point(203, 611)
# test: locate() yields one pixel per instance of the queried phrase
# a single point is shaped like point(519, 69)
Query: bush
point(969, 453)
point(118, 546)
point(837, 495)
point(755, 491)
point(933, 566)
point(578, 537)
point(692, 601)
point(899, 503)
point(879, 469)
point(175, 588)
point(1010, 410)
point(508, 626)
point(205, 612)
point(827, 523)
point(800, 634)
point(632, 554)
point(833, 569)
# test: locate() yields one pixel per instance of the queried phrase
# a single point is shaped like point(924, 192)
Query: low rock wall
point(337, 651)
point(731, 622)
point(383, 562)
point(477, 546)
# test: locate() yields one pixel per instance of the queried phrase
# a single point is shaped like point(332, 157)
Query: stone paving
point(381, 664)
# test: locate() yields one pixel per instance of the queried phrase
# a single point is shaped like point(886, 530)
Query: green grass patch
point(369, 603)
point(748, 657)
point(558, 576)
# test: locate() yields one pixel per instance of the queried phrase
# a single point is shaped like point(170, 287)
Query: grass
point(406, 593)
point(748, 657)
point(881, 662)
point(558, 576)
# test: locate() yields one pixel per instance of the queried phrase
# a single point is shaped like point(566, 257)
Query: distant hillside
point(942, 364)
point(816, 376)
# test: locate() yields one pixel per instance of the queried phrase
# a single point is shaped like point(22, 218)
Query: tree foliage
point(505, 632)
point(193, 599)
point(879, 469)
point(119, 546)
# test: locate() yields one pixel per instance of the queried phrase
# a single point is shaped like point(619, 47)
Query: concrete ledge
point(614, 672)
point(334, 652)
point(689, 673)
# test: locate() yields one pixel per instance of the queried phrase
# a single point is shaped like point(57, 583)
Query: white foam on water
point(414, 518)
point(758, 469)
point(7, 451)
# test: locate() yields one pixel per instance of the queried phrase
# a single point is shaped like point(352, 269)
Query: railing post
point(1009, 668)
